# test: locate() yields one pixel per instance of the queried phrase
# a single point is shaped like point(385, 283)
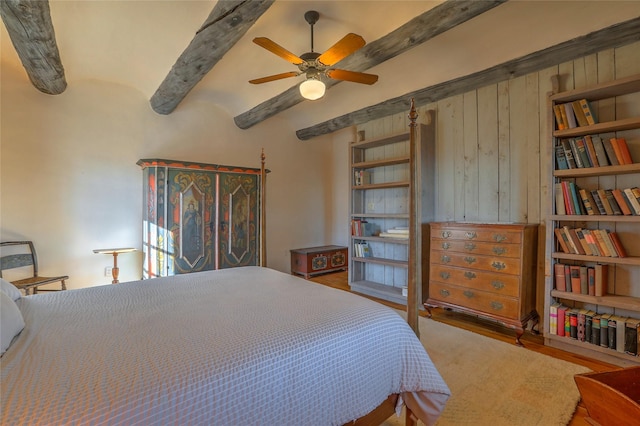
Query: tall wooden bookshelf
point(617, 108)
point(380, 197)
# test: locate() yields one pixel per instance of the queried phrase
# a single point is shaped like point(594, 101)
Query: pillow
point(11, 321)
point(10, 289)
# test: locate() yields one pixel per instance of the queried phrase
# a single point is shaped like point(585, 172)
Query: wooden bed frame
point(387, 408)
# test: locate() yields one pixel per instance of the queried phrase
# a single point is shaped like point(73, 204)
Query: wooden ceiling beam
point(227, 23)
point(614, 36)
point(418, 30)
point(29, 25)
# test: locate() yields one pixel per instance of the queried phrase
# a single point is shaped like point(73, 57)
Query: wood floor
point(532, 342)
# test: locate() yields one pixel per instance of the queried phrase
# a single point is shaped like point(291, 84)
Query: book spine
point(591, 282)
point(588, 112)
point(568, 153)
point(591, 151)
point(622, 201)
point(601, 279)
point(612, 202)
point(635, 202)
point(600, 152)
point(559, 277)
point(611, 154)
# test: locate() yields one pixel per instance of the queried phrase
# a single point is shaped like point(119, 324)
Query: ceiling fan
point(315, 65)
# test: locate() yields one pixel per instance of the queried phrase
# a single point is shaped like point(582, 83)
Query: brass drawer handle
point(469, 259)
point(499, 250)
point(498, 265)
point(498, 285)
point(444, 275)
point(496, 306)
point(471, 235)
point(470, 246)
point(446, 246)
point(446, 234)
point(445, 259)
point(445, 293)
point(498, 238)
point(470, 275)
point(469, 294)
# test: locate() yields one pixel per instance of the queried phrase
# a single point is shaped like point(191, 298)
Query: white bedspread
point(242, 346)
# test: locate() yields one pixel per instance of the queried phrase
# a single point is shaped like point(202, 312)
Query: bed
point(247, 345)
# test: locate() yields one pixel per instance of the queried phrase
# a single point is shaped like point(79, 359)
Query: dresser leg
point(428, 308)
point(519, 333)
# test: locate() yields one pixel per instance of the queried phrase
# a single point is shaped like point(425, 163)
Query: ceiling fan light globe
point(312, 89)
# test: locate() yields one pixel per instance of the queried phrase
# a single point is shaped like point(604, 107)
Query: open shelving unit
point(619, 104)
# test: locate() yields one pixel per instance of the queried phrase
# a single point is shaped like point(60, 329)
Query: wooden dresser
point(318, 260)
point(487, 270)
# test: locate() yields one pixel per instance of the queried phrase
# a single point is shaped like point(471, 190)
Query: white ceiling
point(136, 42)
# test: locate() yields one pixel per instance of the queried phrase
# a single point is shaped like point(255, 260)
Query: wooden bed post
point(412, 290)
point(263, 212)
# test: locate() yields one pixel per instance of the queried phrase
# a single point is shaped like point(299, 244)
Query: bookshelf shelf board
point(381, 261)
point(595, 218)
point(615, 301)
point(381, 291)
point(552, 338)
point(596, 92)
point(598, 171)
point(372, 143)
point(380, 215)
point(380, 163)
point(609, 126)
point(384, 185)
point(630, 260)
point(383, 239)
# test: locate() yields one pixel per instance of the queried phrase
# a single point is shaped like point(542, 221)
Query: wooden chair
point(23, 255)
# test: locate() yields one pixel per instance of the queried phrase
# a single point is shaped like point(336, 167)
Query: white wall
point(69, 179)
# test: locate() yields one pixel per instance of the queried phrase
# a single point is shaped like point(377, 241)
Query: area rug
point(496, 383)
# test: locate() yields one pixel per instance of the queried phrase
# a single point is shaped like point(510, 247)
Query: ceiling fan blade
point(274, 77)
point(274, 47)
point(343, 48)
point(356, 77)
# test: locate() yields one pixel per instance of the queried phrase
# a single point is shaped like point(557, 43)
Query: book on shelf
point(612, 202)
point(567, 278)
point(633, 194)
point(620, 329)
point(591, 240)
point(553, 318)
point(362, 249)
point(571, 121)
point(582, 317)
point(611, 154)
point(579, 113)
point(576, 153)
point(591, 151)
point(361, 228)
point(588, 112)
point(595, 330)
point(624, 151)
point(601, 279)
point(631, 336)
point(622, 201)
point(560, 279)
point(566, 195)
point(575, 197)
point(602, 194)
point(560, 207)
point(574, 243)
point(568, 153)
point(562, 240)
point(562, 309)
point(617, 244)
point(560, 124)
point(397, 232)
point(601, 154)
point(588, 325)
point(581, 147)
point(589, 203)
point(584, 280)
point(591, 281)
point(573, 323)
point(561, 158)
point(598, 201)
point(612, 333)
point(583, 241)
point(604, 330)
point(567, 322)
point(575, 278)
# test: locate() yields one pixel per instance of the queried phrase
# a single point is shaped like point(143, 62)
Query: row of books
point(580, 279)
point(361, 177)
point(574, 114)
point(589, 242)
point(591, 151)
point(362, 228)
point(361, 249)
point(399, 232)
point(611, 331)
point(573, 200)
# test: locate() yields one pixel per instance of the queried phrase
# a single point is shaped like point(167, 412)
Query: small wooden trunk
point(318, 260)
point(612, 398)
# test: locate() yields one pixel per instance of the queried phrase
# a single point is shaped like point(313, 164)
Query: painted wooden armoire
point(199, 217)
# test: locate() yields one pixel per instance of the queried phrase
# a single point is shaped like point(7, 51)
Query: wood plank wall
point(493, 145)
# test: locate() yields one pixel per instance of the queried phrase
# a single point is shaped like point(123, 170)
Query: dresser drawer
point(503, 265)
point(477, 247)
point(478, 300)
point(505, 285)
point(469, 233)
